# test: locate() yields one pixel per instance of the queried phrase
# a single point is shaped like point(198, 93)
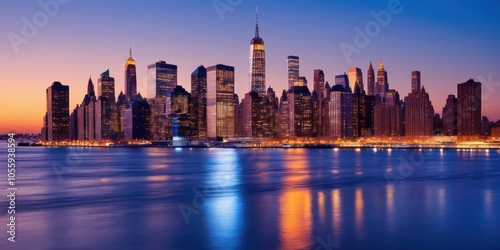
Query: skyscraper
point(419, 112)
point(136, 119)
point(162, 78)
point(415, 81)
point(355, 77)
point(343, 80)
point(106, 117)
point(284, 116)
point(388, 116)
point(179, 107)
point(106, 87)
point(370, 80)
point(57, 112)
point(450, 117)
point(300, 109)
point(469, 108)
point(257, 62)
point(319, 83)
point(220, 101)
point(293, 70)
point(199, 96)
point(382, 85)
point(340, 113)
point(319, 90)
point(130, 78)
point(362, 111)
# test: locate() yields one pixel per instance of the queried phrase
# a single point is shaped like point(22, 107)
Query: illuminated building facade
point(342, 80)
point(106, 118)
point(130, 78)
point(381, 85)
point(340, 113)
point(415, 81)
point(419, 113)
point(388, 116)
point(199, 97)
point(162, 79)
point(355, 76)
point(257, 63)
point(220, 101)
point(293, 70)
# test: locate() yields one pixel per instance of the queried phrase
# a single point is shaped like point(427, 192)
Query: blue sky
point(448, 41)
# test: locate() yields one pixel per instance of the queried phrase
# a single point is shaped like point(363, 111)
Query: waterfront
point(130, 198)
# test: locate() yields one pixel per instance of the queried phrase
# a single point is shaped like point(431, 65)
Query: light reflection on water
point(128, 198)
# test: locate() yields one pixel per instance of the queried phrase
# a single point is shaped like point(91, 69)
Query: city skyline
point(439, 81)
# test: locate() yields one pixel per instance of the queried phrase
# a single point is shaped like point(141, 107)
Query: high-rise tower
point(57, 118)
point(381, 86)
point(469, 108)
point(415, 81)
point(371, 80)
point(130, 78)
point(257, 62)
point(355, 78)
point(293, 70)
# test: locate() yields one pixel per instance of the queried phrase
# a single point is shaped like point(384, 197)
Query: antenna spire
point(257, 21)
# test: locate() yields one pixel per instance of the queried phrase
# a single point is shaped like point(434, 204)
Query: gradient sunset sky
point(448, 41)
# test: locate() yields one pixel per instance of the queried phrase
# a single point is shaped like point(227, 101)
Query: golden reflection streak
point(295, 219)
point(337, 214)
point(158, 178)
point(321, 205)
point(359, 205)
point(295, 204)
point(389, 202)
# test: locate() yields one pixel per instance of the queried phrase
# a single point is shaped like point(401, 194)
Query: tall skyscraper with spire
point(257, 61)
point(382, 85)
point(130, 78)
point(370, 80)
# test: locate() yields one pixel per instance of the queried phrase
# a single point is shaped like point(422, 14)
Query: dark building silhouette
point(419, 112)
point(469, 108)
point(362, 111)
point(450, 116)
point(370, 80)
point(179, 106)
point(136, 119)
point(388, 116)
point(199, 97)
point(57, 117)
